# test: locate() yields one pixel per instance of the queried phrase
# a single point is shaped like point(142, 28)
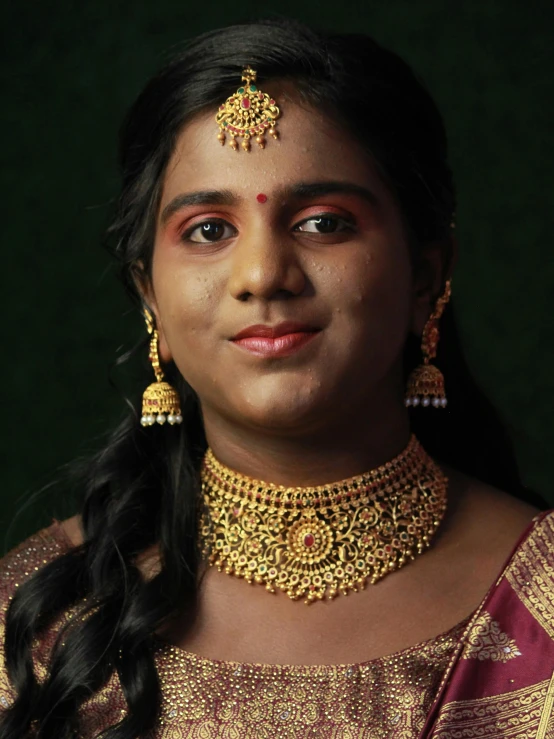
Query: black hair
point(140, 491)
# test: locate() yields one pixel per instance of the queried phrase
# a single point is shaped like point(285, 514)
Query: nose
point(265, 266)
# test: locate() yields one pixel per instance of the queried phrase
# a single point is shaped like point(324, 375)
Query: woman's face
point(323, 261)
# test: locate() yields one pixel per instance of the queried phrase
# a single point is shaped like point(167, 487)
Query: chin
point(285, 411)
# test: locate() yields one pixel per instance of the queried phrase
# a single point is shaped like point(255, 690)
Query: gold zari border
point(531, 574)
point(546, 714)
point(520, 714)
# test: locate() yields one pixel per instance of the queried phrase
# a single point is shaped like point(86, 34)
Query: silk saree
point(489, 677)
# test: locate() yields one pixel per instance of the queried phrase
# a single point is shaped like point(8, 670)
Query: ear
point(433, 266)
point(145, 289)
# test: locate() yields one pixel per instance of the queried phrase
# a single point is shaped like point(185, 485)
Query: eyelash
point(185, 236)
point(348, 225)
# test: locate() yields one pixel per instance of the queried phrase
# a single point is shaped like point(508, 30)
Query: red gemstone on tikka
point(309, 540)
point(245, 103)
point(272, 102)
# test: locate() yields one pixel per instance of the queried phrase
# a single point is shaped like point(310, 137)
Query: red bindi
point(261, 198)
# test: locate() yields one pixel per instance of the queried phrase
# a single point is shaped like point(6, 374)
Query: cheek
point(186, 297)
point(373, 290)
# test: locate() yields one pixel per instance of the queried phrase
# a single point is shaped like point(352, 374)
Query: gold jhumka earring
point(246, 114)
point(160, 401)
point(426, 382)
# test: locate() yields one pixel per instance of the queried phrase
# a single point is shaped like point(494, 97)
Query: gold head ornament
point(248, 114)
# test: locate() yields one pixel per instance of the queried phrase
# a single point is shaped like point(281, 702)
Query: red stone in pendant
point(309, 540)
point(245, 103)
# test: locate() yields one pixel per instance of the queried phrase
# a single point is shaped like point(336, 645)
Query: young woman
point(286, 227)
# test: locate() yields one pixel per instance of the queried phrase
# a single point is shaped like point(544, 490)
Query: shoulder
point(530, 570)
point(543, 530)
point(530, 575)
point(489, 521)
point(20, 564)
point(28, 557)
point(481, 531)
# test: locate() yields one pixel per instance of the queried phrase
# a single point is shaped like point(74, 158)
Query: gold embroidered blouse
point(206, 699)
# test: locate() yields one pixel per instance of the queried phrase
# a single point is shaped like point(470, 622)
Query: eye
point(326, 223)
point(209, 232)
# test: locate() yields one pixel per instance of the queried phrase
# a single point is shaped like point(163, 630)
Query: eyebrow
point(300, 191)
point(310, 190)
point(201, 197)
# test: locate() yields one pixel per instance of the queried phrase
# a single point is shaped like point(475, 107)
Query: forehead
point(311, 147)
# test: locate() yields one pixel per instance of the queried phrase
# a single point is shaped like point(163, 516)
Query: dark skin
point(340, 261)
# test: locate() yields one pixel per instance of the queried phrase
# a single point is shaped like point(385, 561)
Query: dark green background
point(72, 68)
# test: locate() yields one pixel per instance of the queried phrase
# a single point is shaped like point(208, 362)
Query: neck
point(311, 457)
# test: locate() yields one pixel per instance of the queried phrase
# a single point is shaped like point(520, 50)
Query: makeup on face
point(281, 340)
point(279, 314)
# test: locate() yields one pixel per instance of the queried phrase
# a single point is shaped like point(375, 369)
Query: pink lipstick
point(281, 340)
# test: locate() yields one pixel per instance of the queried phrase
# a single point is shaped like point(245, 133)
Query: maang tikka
point(426, 383)
point(247, 114)
point(160, 401)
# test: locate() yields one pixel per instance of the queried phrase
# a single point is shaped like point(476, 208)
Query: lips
point(274, 332)
point(281, 340)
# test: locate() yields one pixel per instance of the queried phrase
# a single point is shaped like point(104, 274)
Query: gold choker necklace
point(318, 542)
